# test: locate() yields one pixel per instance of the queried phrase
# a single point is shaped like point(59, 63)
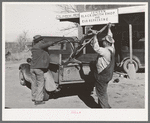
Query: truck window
point(61, 46)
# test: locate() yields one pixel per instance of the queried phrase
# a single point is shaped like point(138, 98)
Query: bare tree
point(22, 40)
point(70, 8)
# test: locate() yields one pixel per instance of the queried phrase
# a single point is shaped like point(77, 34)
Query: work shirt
point(40, 56)
point(104, 55)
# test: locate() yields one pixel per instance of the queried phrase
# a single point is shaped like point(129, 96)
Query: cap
point(37, 38)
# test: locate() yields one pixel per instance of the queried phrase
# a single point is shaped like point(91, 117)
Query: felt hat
point(109, 39)
point(37, 38)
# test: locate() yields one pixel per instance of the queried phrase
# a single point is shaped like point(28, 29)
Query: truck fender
point(134, 58)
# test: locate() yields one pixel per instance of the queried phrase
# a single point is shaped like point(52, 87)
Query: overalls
point(102, 80)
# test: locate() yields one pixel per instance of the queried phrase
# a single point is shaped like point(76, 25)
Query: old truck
point(66, 54)
point(64, 73)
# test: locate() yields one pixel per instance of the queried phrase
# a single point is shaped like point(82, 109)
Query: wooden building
point(126, 14)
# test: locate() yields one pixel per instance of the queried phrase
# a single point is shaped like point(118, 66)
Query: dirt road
point(124, 94)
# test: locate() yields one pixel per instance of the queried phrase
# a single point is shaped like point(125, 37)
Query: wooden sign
point(99, 17)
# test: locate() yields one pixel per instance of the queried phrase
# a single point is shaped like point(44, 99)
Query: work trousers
point(101, 91)
point(37, 85)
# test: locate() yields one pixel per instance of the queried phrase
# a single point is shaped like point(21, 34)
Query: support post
point(130, 39)
point(131, 68)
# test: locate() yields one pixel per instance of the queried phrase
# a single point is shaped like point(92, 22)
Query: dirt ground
point(124, 94)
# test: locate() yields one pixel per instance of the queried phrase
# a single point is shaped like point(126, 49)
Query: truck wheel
point(126, 65)
point(21, 78)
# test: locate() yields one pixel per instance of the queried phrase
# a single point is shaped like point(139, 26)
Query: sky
point(35, 19)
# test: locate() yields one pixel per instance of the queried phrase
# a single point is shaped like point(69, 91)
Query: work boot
point(39, 102)
point(57, 90)
point(33, 100)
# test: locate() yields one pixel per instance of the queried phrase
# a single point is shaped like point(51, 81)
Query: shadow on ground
point(81, 91)
point(71, 90)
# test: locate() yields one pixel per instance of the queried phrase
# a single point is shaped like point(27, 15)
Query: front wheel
point(21, 78)
point(126, 65)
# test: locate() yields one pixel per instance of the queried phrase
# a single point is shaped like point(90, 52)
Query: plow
point(83, 44)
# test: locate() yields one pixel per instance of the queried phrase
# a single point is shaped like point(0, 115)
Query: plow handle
point(83, 45)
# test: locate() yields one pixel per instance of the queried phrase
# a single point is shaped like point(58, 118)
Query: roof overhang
point(133, 9)
point(74, 17)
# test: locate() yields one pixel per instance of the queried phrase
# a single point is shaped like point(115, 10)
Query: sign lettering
point(99, 17)
point(68, 15)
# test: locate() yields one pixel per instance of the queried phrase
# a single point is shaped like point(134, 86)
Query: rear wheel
point(126, 65)
point(21, 78)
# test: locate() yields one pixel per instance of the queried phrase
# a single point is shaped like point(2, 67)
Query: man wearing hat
point(104, 67)
point(39, 66)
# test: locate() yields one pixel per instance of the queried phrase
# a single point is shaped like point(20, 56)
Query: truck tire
point(127, 62)
point(24, 82)
point(21, 78)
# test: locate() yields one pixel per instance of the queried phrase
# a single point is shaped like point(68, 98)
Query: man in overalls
point(104, 67)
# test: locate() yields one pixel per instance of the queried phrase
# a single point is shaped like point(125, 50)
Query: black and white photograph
point(75, 61)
